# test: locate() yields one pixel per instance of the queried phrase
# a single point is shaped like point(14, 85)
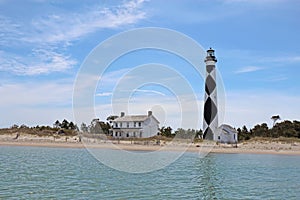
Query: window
point(127, 135)
point(116, 125)
point(120, 124)
point(120, 134)
point(134, 134)
point(116, 134)
point(140, 124)
point(127, 124)
point(219, 137)
point(134, 124)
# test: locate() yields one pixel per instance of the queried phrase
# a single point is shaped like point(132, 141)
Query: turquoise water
point(65, 173)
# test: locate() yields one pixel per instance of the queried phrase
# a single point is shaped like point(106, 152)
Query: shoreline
point(196, 148)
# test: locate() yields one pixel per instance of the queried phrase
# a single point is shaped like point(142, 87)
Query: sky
point(43, 45)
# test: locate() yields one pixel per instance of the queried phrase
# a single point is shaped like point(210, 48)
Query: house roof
point(130, 118)
point(228, 128)
point(134, 118)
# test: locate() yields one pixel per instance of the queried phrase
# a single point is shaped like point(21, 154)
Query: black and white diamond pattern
point(210, 122)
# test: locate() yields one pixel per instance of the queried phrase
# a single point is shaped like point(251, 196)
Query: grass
point(40, 131)
point(280, 139)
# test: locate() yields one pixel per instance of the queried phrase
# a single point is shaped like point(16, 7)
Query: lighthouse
point(210, 120)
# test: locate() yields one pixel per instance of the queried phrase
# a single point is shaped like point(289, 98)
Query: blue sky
point(43, 44)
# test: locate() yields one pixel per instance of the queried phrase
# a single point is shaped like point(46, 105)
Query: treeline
point(65, 124)
point(180, 133)
point(64, 128)
point(283, 129)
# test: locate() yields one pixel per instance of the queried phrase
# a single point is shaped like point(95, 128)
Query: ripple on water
point(65, 173)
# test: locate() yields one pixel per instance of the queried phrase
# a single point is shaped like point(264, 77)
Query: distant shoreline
point(243, 148)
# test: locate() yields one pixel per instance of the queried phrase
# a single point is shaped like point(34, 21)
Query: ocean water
point(70, 173)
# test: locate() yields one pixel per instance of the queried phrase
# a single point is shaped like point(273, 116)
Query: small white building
point(137, 126)
point(227, 134)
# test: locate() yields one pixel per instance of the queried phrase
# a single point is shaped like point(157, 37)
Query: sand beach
point(256, 146)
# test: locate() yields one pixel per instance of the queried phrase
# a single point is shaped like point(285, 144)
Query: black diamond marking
point(209, 68)
point(208, 134)
point(210, 85)
point(210, 111)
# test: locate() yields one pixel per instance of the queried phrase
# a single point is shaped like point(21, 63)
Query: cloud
point(150, 91)
point(281, 59)
point(277, 78)
point(46, 37)
point(104, 94)
point(35, 102)
point(248, 69)
point(37, 93)
point(40, 61)
point(57, 28)
point(9, 31)
point(34, 116)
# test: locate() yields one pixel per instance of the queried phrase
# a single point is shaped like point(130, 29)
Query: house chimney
point(122, 114)
point(149, 113)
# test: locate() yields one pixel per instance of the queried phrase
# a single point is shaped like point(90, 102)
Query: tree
point(243, 134)
point(65, 124)
point(23, 126)
point(57, 124)
point(84, 127)
point(105, 127)
point(187, 134)
point(199, 133)
point(260, 130)
point(285, 129)
point(297, 127)
point(275, 118)
point(72, 126)
point(14, 126)
point(245, 130)
point(166, 131)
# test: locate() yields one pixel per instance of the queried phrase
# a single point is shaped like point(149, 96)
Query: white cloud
point(277, 78)
point(104, 94)
point(72, 26)
point(40, 61)
point(35, 103)
point(248, 69)
point(150, 91)
point(281, 59)
point(31, 94)
point(9, 31)
point(34, 116)
point(45, 34)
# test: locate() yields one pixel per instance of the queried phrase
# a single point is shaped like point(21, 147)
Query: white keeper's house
point(138, 126)
point(227, 134)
